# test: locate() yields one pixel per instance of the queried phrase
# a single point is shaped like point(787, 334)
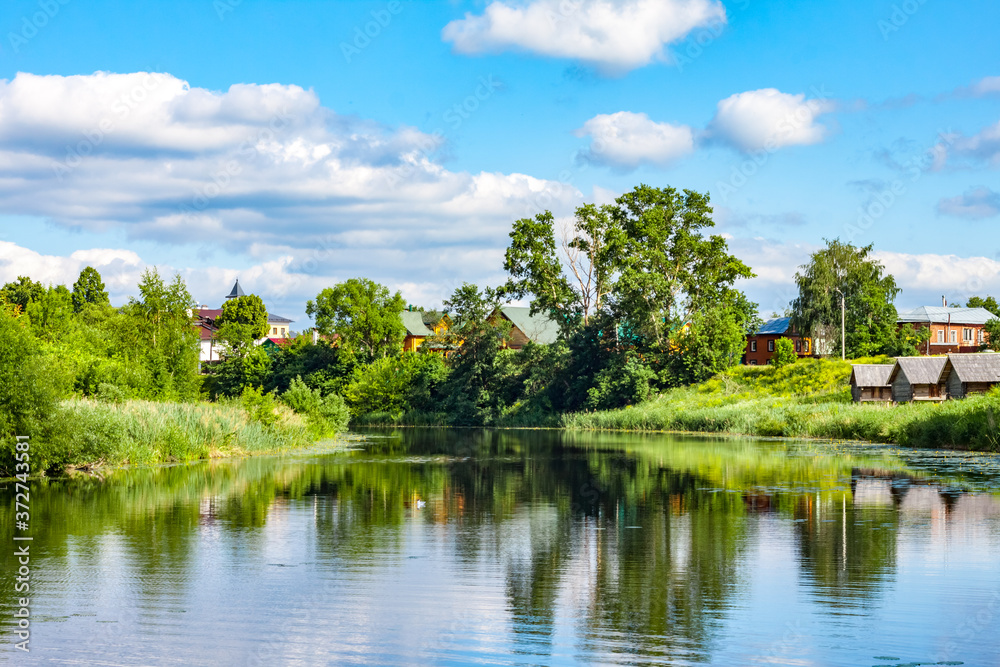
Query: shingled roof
point(871, 375)
point(918, 370)
point(236, 292)
point(982, 367)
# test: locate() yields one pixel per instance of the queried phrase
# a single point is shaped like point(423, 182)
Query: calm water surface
point(433, 547)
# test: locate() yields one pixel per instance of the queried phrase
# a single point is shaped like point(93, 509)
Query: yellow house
point(416, 331)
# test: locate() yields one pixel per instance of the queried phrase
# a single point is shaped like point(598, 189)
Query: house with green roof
point(537, 328)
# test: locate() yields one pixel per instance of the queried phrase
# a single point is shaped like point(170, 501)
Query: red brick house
point(952, 329)
point(760, 346)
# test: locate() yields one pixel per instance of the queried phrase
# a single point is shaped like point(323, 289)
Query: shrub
point(784, 352)
point(260, 407)
point(326, 414)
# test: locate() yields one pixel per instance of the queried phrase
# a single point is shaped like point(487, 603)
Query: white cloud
point(988, 85)
point(769, 119)
point(260, 170)
point(626, 139)
point(984, 146)
point(977, 203)
point(925, 278)
point(613, 36)
point(118, 267)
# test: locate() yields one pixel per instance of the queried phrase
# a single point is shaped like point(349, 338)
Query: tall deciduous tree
point(242, 321)
point(643, 266)
point(869, 292)
point(478, 336)
point(21, 292)
point(89, 288)
point(365, 315)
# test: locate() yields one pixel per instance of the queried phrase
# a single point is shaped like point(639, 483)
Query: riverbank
point(809, 399)
point(87, 432)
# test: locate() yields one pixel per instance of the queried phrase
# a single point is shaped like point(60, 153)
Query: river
point(454, 547)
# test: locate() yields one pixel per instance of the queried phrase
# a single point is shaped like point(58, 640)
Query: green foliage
point(321, 366)
point(471, 396)
point(327, 415)
point(784, 353)
point(397, 384)
point(21, 292)
point(89, 289)
point(51, 313)
point(260, 407)
point(243, 320)
point(908, 342)
point(28, 387)
point(85, 431)
point(364, 314)
point(237, 373)
point(869, 292)
point(626, 381)
point(992, 329)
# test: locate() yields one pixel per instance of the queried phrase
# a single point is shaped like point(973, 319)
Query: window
point(954, 336)
point(805, 346)
point(798, 346)
point(770, 345)
point(940, 335)
point(753, 362)
point(753, 346)
point(966, 335)
point(274, 331)
point(980, 335)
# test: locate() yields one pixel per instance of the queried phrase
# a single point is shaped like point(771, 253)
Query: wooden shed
point(917, 379)
point(965, 374)
point(870, 382)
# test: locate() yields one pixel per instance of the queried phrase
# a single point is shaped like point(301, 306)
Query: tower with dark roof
point(237, 291)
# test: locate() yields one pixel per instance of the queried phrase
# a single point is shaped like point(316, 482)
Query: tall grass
point(85, 432)
point(810, 398)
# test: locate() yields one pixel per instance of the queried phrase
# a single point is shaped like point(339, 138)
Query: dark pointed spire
point(237, 290)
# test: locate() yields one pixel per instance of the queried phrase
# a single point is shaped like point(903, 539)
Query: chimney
point(944, 302)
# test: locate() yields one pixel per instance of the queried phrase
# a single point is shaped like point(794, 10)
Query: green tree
point(992, 329)
point(51, 314)
point(784, 352)
point(21, 292)
point(243, 320)
point(478, 336)
point(156, 331)
point(869, 292)
point(645, 272)
point(89, 288)
point(365, 315)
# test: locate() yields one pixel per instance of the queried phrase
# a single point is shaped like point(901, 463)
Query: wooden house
point(416, 331)
point(917, 379)
point(760, 345)
point(524, 326)
point(965, 374)
point(870, 382)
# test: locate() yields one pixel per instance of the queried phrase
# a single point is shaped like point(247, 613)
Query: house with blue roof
point(760, 345)
point(953, 330)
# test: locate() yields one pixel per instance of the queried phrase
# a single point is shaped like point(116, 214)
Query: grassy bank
point(87, 432)
point(810, 398)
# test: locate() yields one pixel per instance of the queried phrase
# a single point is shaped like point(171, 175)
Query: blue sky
point(273, 142)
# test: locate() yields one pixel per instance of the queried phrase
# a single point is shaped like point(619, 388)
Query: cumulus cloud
point(976, 204)
point(924, 278)
point(262, 170)
point(625, 139)
point(613, 36)
point(768, 119)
